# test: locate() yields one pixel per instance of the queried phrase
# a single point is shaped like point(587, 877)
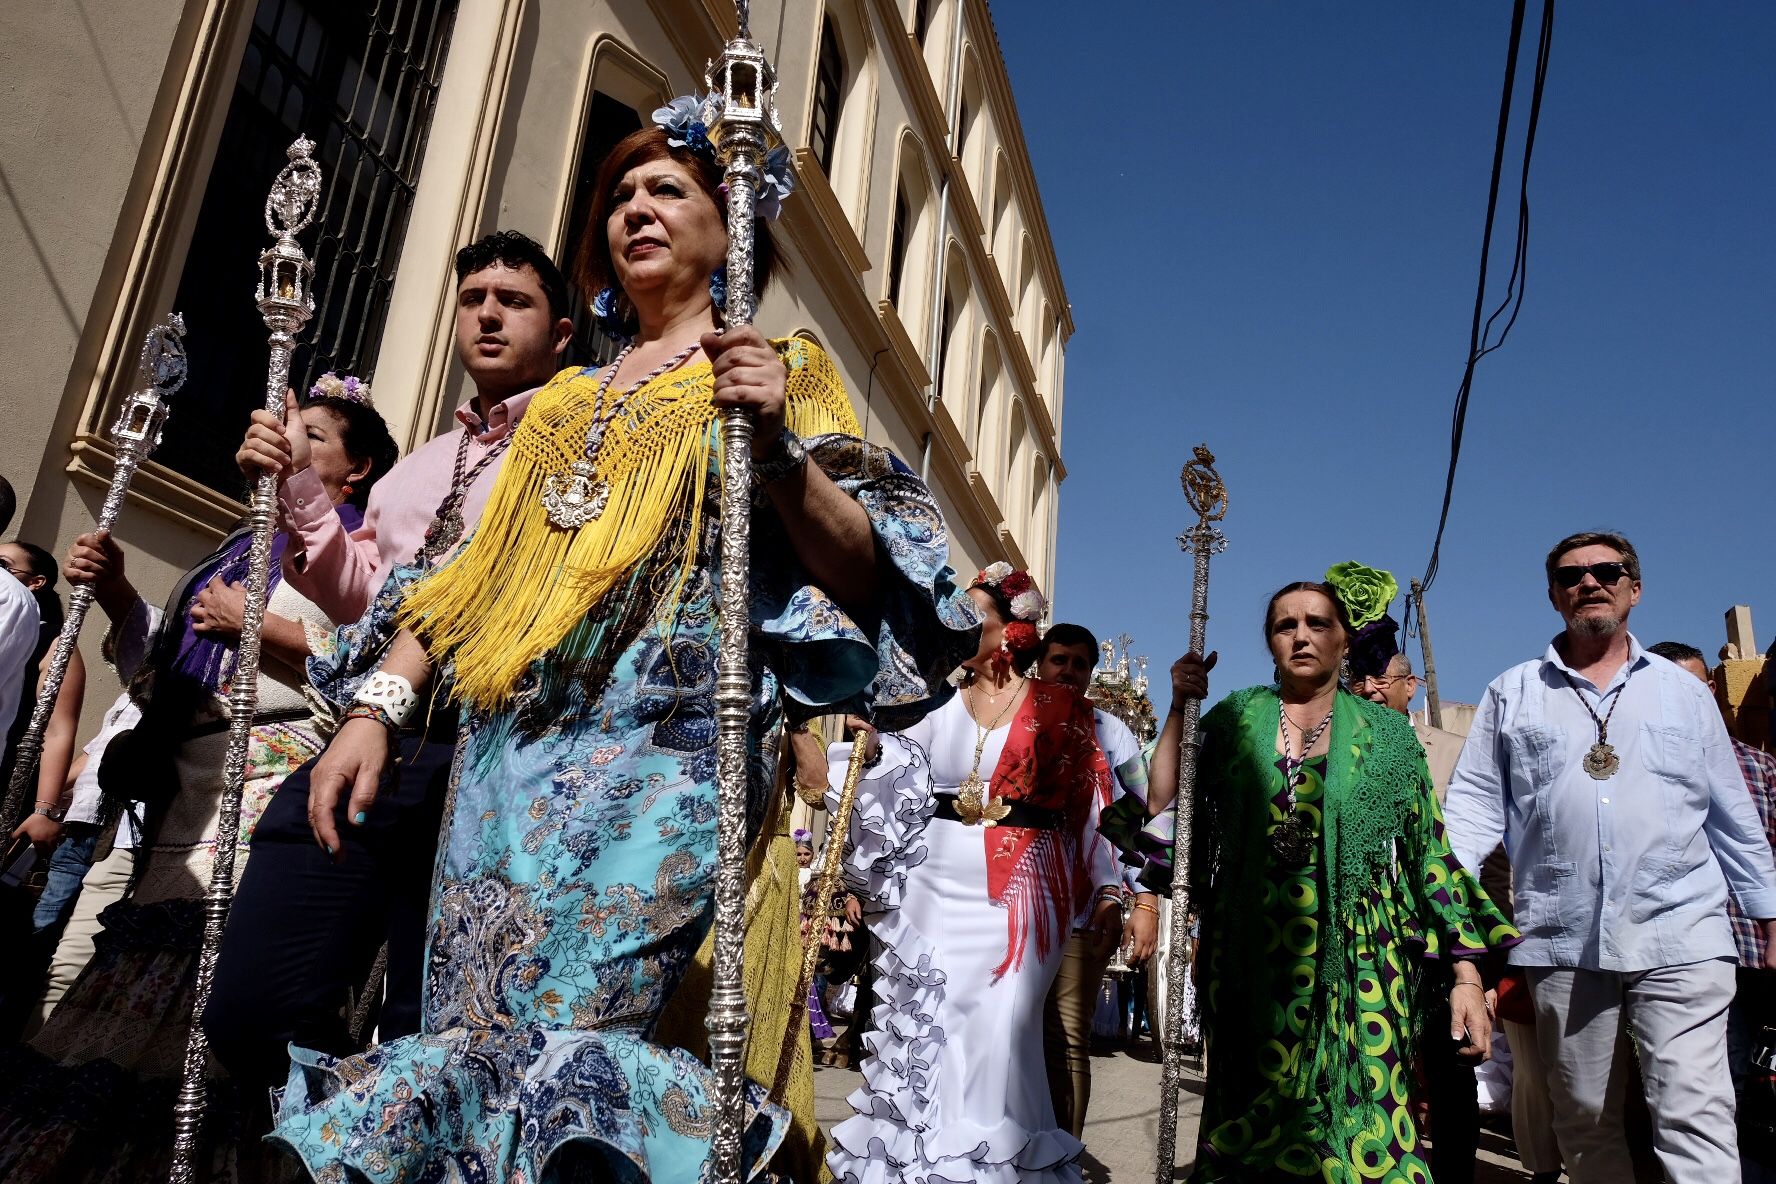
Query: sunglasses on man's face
point(1604, 573)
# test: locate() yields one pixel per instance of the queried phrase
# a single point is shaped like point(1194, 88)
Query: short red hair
point(593, 269)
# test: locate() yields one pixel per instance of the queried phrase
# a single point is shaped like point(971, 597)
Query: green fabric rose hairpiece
point(1365, 591)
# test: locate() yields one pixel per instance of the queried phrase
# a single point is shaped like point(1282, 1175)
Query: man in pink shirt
point(511, 329)
point(306, 924)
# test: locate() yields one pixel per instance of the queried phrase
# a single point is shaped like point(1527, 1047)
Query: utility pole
point(1433, 706)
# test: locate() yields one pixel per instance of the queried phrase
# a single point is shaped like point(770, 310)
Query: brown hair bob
point(592, 266)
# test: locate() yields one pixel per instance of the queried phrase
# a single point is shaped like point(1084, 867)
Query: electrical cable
point(1479, 337)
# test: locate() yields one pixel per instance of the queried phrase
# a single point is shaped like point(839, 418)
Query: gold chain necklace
point(972, 803)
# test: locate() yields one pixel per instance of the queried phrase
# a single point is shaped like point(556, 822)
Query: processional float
point(285, 298)
point(740, 111)
point(136, 433)
point(1207, 495)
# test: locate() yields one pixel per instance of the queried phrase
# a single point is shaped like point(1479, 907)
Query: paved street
point(1124, 1120)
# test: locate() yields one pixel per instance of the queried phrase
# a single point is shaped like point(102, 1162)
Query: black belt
point(1020, 814)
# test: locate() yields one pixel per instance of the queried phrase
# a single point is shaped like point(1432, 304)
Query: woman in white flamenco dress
point(973, 845)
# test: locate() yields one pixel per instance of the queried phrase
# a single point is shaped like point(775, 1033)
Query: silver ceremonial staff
point(1207, 495)
point(286, 301)
point(136, 433)
point(740, 111)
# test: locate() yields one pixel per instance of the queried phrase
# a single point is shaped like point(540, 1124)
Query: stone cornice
point(816, 192)
point(905, 353)
point(1011, 129)
point(963, 197)
point(909, 59)
point(1014, 555)
point(156, 488)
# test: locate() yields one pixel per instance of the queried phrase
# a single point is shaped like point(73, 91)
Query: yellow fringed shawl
point(522, 583)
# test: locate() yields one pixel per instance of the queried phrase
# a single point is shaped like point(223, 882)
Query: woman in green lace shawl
point(1322, 880)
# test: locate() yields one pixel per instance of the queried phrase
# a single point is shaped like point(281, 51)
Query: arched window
point(829, 97)
point(1014, 496)
point(608, 120)
point(909, 244)
point(1045, 368)
point(950, 374)
point(1026, 280)
point(898, 242)
point(980, 433)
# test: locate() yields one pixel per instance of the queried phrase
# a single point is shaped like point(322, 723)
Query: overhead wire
point(1480, 340)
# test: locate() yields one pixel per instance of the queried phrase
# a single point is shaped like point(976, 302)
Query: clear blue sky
point(1268, 220)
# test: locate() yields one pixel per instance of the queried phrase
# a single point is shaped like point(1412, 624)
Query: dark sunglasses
point(1604, 573)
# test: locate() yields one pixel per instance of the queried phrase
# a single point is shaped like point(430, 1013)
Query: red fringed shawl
point(1051, 761)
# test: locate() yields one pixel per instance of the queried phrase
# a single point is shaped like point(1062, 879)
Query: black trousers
point(1454, 1094)
point(304, 931)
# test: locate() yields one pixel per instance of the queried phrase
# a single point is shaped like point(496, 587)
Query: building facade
point(144, 135)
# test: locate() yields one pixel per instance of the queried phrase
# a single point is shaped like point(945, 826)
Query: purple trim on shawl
point(211, 662)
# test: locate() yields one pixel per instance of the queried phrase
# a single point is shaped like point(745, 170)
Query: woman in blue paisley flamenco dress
point(575, 879)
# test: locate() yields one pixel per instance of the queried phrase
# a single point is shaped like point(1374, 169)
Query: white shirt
point(19, 623)
point(1123, 754)
point(87, 798)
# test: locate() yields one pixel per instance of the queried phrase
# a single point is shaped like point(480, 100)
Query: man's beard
point(1600, 626)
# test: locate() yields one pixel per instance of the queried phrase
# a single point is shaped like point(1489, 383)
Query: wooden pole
point(1433, 705)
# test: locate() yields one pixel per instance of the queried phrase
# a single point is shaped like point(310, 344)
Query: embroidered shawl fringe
point(1044, 878)
point(522, 584)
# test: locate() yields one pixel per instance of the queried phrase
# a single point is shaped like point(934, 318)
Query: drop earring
point(718, 293)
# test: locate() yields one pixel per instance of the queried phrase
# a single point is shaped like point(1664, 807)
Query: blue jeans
point(67, 868)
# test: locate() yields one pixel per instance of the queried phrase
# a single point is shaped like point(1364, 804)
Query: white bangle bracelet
point(391, 692)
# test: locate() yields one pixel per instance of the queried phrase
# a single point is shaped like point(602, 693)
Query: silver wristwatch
point(786, 457)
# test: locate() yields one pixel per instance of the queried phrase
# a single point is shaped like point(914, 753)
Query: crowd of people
point(471, 937)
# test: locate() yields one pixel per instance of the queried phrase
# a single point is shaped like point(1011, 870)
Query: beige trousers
point(1679, 1019)
point(1532, 1111)
point(1066, 1029)
point(103, 887)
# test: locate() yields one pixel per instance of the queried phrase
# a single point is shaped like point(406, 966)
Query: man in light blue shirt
point(1610, 776)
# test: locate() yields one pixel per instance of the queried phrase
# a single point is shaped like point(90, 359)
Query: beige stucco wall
point(83, 93)
point(114, 107)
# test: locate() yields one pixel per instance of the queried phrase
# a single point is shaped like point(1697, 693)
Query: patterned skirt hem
point(504, 1105)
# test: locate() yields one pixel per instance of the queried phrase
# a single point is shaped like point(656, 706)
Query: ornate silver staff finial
point(286, 302)
point(285, 273)
point(1207, 495)
point(740, 112)
point(136, 433)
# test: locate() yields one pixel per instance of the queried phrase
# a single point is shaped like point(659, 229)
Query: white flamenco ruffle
point(888, 818)
point(896, 1136)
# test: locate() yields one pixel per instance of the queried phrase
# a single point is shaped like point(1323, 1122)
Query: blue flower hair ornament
point(686, 121)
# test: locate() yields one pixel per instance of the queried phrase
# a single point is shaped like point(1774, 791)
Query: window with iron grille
point(829, 86)
point(360, 79)
point(897, 248)
point(608, 120)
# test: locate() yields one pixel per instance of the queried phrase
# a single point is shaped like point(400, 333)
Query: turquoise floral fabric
point(576, 875)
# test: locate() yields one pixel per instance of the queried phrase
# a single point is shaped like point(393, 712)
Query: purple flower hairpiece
point(351, 388)
point(802, 837)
